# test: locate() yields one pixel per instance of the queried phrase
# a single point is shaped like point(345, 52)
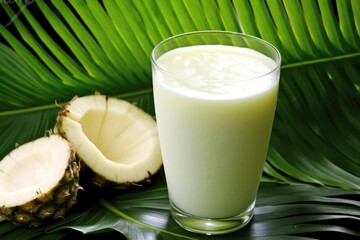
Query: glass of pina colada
point(215, 96)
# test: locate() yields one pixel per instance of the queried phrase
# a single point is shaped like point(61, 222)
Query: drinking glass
point(215, 96)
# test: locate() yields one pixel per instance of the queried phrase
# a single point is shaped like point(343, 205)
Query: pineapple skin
point(101, 182)
point(48, 206)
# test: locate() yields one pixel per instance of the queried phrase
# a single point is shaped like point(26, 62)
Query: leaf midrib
point(57, 105)
point(149, 90)
point(321, 60)
point(118, 212)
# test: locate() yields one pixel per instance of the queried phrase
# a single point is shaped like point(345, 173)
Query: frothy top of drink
point(216, 71)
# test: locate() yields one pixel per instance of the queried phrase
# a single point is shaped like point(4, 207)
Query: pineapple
point(115, 139)
point(38, 181)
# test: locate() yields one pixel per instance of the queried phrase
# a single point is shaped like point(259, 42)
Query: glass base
point(212, 226)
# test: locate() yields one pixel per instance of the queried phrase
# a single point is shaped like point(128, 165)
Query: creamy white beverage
point(214, 106)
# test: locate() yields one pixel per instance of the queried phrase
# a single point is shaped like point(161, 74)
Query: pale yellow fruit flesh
point(116, 139)
point(32, 170)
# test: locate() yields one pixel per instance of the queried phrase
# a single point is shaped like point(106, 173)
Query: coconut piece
point(114, 138)
point(38, 181)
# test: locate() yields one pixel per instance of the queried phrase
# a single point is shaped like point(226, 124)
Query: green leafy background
point(51, 51)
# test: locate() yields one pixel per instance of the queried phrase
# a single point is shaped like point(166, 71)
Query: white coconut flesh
point(115, 138)
point(33, 169)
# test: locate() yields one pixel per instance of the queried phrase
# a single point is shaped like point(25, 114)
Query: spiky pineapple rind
point(48, 206)
point(102, 182)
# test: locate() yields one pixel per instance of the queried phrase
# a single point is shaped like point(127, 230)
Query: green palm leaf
point(280, 211)
point(51, 51)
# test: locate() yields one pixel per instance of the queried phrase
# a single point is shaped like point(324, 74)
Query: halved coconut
point(38, 181)
point(117, 140)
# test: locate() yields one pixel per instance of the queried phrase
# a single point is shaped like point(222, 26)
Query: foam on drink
point(217, 71)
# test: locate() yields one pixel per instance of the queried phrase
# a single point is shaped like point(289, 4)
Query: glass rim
point(274, 49)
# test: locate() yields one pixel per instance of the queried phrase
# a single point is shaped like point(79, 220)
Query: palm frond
point(281, 213)
point(51, 51)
